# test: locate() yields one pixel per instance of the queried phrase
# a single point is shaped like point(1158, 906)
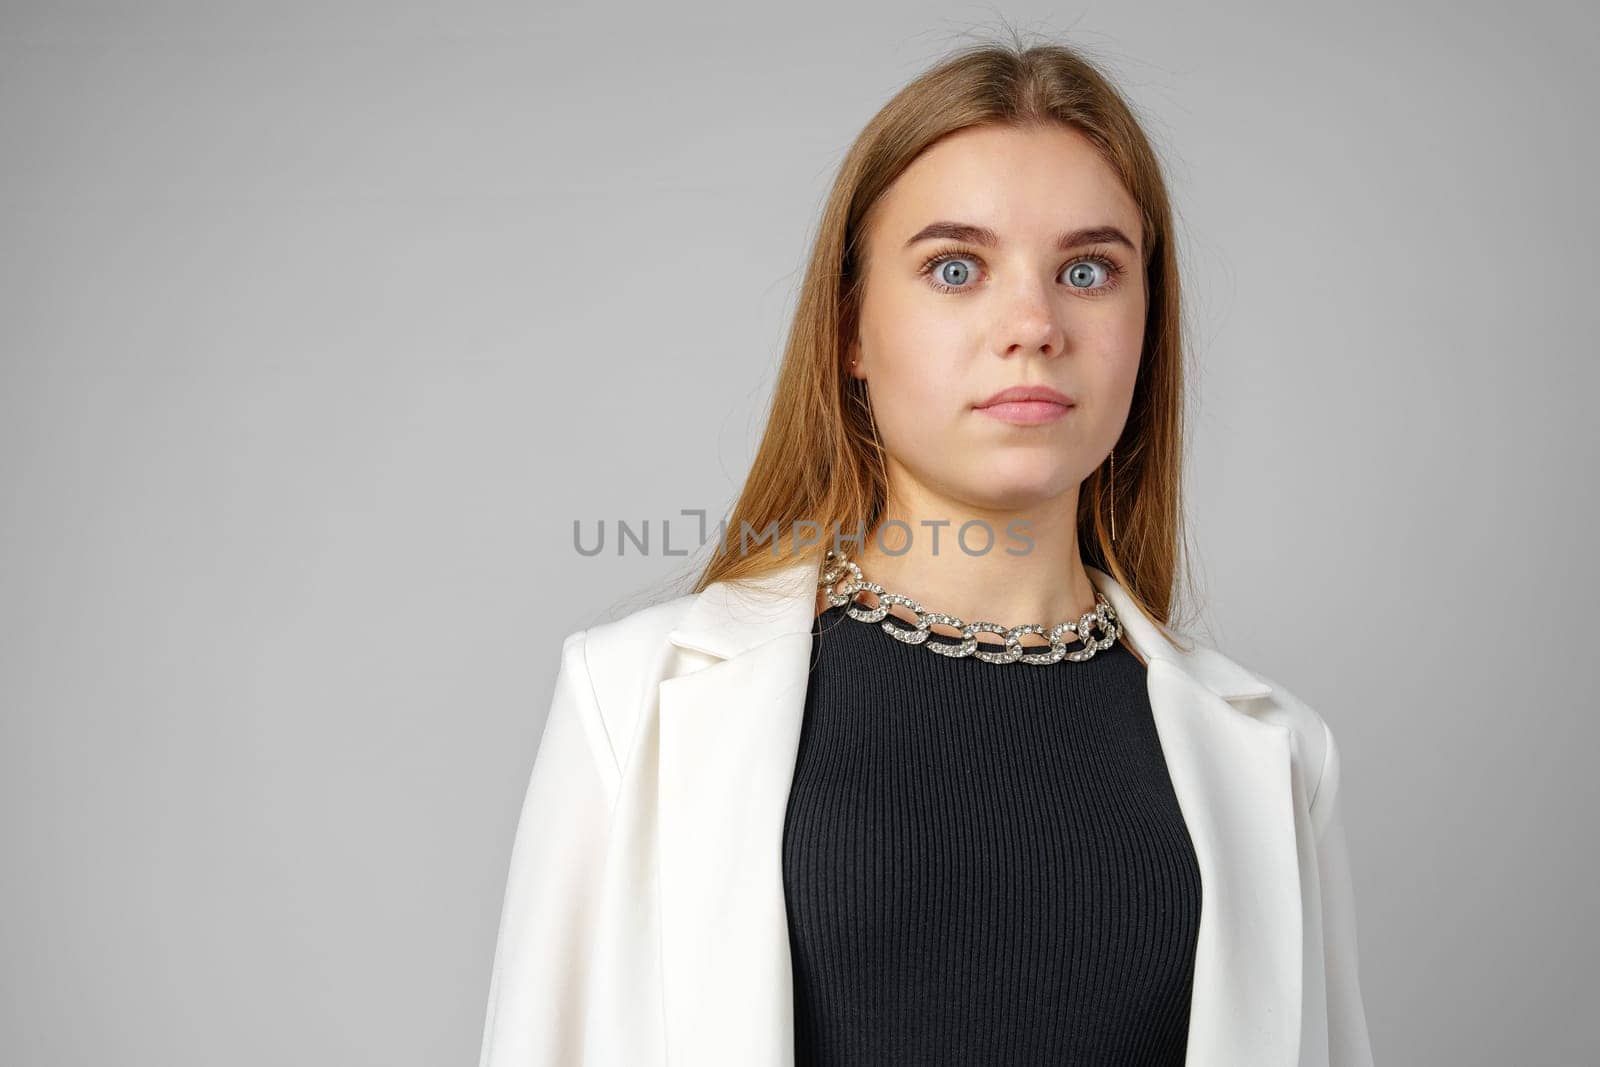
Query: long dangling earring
point(1113, 497)
point(861, 397)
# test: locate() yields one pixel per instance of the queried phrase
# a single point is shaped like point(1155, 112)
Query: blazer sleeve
point(1348, 1042)
point(537, 988)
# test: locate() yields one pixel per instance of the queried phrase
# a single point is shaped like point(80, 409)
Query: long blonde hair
point(820, 460)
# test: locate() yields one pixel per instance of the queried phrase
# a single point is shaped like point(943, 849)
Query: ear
point(853, 364)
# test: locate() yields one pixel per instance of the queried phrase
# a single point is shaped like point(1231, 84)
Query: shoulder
point(622, 651)
point(1310, 737)
point(618, 660)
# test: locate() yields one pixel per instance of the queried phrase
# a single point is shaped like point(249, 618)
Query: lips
point(1027, 405)
point(1022, 394)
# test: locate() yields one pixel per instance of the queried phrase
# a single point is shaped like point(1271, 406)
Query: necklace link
point(842, 580)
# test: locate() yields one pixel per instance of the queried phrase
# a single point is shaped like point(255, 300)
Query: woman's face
point(1045, 287)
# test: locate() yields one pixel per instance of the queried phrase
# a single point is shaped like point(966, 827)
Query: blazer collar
point(729, 618)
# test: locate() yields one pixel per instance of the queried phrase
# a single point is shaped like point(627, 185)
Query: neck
point(1030, 572)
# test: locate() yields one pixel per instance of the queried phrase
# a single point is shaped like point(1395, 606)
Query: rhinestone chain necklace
point(842, 591)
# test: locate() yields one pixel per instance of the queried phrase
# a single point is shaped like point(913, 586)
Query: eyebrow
point(982, 235)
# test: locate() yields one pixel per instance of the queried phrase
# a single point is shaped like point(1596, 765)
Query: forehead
point(1023, 183)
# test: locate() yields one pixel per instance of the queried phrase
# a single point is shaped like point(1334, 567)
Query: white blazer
point(644, 921)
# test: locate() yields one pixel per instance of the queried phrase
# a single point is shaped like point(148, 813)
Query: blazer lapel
point(729, 733)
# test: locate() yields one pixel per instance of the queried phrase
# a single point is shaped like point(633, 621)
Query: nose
point(1030, 324)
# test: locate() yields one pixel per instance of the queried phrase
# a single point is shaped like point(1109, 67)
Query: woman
point(767, 824)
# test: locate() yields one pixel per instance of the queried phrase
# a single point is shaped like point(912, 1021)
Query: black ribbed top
point(984, 863)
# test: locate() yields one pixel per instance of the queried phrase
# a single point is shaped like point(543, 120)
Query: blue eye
point(954, 272)
point(1091, 274)
point(1084, 271)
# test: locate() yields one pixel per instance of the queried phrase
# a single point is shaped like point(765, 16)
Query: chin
point(1010, 490)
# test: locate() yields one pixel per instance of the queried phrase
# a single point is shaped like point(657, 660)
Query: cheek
point(914, 397)
point(1117, 343)
point(919, 367)
point(917, 362)
point(1108, 382)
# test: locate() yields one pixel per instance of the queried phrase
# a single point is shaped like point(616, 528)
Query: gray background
point(321, 323)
